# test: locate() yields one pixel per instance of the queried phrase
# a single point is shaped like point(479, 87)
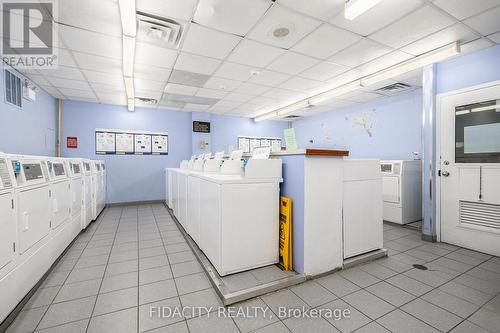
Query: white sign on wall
point(128, 142)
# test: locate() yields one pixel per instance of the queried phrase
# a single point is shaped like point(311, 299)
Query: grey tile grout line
point(138, 313)
point(170, 267)
point(103, 275)
point(60, 287)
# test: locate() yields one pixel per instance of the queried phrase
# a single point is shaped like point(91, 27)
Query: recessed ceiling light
point(281, 32)
point(354, 8)
point(253, 73)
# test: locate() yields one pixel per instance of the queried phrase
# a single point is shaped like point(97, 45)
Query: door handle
point(445, 173)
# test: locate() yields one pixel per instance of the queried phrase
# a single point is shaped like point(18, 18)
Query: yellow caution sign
point(286, 233)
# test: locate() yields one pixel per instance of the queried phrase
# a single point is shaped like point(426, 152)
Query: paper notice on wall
point(254, 143)
point(105, 142)
point(265, 142)
point(244, 144)
point(160, 144)
point(290, 139)
point(124, 143)
point(276, 145)
point(142, 143)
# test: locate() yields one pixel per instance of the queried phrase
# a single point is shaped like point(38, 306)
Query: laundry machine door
point(7, 229)
point(391, 189)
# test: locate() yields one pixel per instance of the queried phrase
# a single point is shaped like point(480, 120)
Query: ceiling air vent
point(394, 89)
point(291, 117)
point(161, 31)
point(146, 101)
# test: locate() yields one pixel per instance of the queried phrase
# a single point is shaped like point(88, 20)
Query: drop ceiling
point(230, 62)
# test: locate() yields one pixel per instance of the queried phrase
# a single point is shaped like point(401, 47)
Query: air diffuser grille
point(481, 214)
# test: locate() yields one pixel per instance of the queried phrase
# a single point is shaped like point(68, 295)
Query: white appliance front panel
point(34, 213)
point(391, 189)
point(7, 229)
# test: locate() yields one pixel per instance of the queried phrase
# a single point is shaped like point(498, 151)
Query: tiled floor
point(134, 257)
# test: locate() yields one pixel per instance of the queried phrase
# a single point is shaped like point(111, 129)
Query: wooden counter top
point(326, 152)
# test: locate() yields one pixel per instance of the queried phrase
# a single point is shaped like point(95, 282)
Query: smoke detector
point(161, 31)
point(281, 31)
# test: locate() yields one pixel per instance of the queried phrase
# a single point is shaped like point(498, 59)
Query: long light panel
point(129, 29)
point(354, 8)
point(405, 67)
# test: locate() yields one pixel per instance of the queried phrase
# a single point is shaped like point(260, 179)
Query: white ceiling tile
point(413, 78)
point(462, 9)
point(235, 16)
point(418, 24)
point(457, 32)
point(154, 55)
point(97, 63)
point(238, 97)
point(383, 62)
point(359, 53)
point(325, 41)
point(69, 84)
point(384, 13)
point(269, 78)
point(63, 72)
point(234, 71)
point(38, 79)
point(321, 9)
point(278, 94)
point(196, 107)
point(105, 78)
point(292, 63)
point(176, 9)
point(476, 45)
point(281, 17)
point(252, 88)
point(117, 99)
point(256, 54)
point(180, 89)
point(221, 83)
point(224, 105)
point(486, 23)
point(197, 64)
point(142, 71)
point(262, 101)
point(82, 99)
point(323, 71)
point(141, 84)
point(106, 88)
point(64, 58)
point(301, 84)
point(495, 37)
point(94, 15)
point(208, 42)
point(69, 92)
point(51, 91)
point(360, 96)
point(346, 77)
point(148, 94)
point(91, 42)
point(211, 93)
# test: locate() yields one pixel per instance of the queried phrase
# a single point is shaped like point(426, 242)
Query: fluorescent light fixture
point(486, 108)
point(412, 64)
point(284, 110)
point(462, 112)
point(129, 87)
point(128, 55)
point(131, 104)
point(354, 8)
point(127, 14)
point(336, 92)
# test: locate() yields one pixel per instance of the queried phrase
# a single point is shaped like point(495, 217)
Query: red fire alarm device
point(71, 142)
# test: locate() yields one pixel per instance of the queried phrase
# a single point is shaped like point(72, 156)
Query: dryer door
point(390, 188)
point(7, 229)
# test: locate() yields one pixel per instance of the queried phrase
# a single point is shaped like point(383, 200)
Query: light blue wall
point(30, 130)
point(468, 70)
point(130, 178)
point(225, 130)
point(395, 133)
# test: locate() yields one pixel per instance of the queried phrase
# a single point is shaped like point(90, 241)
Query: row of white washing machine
point(44, 204)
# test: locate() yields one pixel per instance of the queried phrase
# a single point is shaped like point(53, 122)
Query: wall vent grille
point(480, 214)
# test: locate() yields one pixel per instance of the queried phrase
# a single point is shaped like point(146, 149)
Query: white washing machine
point(60, 192)
point(402, 190)
point(88, 192)
point(75, 167)
point(96, 170)
point(8, 232)
point(101, 186)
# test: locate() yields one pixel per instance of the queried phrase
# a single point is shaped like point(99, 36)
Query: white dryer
point(402, 190)
point(96, 188)
point(8, 232)
point(60, 192)
point(88, 192)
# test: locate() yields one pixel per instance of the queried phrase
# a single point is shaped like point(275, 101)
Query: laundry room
point(250, 166)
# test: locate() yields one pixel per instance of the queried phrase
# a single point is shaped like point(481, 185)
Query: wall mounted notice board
point(127, 142)
point(249, 143)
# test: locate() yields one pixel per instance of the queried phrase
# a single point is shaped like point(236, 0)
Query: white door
point(470, 169)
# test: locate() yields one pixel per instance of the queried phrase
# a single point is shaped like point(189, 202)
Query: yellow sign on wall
point(286, 233)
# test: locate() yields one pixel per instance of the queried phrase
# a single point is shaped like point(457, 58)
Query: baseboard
point(145, 202)
point(429, 238)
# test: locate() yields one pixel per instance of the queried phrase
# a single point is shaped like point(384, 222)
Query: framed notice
point(248, 143)
point(159, 144)
point(244, 144)
point(201, 126)
point(142, 144)
point(105, 142)
point(124, 143)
